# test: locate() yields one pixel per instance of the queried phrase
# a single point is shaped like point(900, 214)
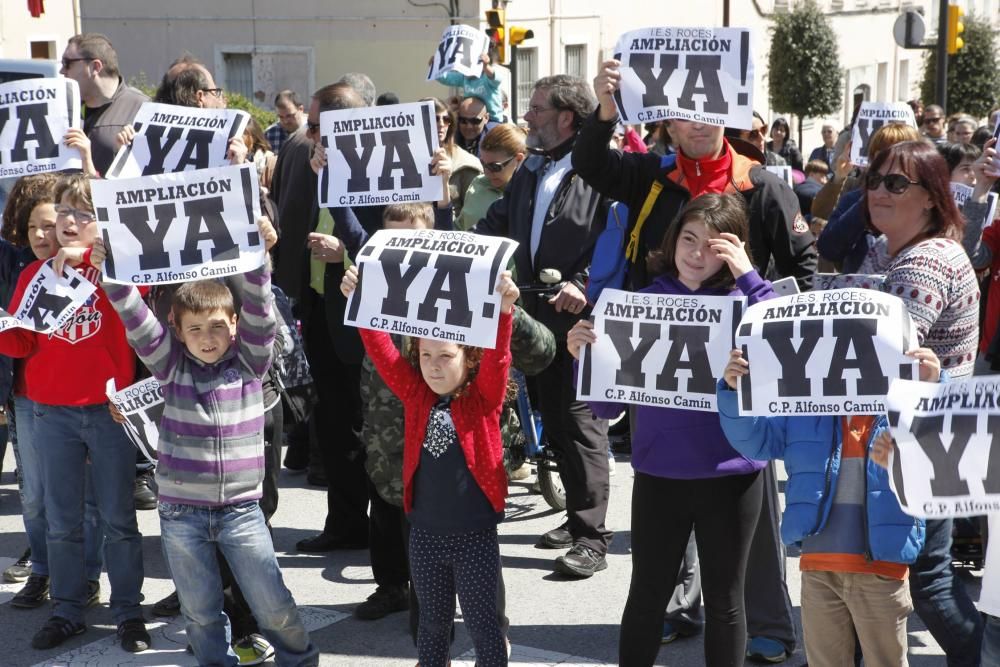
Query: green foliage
point(263, 117)
point(803, 65)
point(973, 74)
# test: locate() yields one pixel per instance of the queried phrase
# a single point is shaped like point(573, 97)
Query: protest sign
point(176, 227)
point(946, 464)
point(50, 303)
point(459, 50)
point(829, 281)
point(961, 192)
point(784, 172)
point(871, 117)
point(824, 353)
point(379, 155)
point(141, 404)
point(35, 115)
point(170, 138)
point(666, 350)
point(699, 74)
point(431, 284)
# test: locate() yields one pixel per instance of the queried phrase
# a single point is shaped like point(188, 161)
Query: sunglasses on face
point(897, 184)
point(462, 120)
point(444, 120)
point(66, 62)
point(496, 167)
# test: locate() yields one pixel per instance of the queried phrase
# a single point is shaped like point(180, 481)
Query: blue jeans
point(31, 482)
point(191, 535)
point(941, 600)
point(68, 436)
point(991, 641)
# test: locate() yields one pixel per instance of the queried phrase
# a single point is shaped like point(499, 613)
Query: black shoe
point(325, 542)
point(168, 606)
point(93, 593)
point(297, 459)
point(557, 538)
point(34, 594)
point(133, 636)
point(145, 497)
point(581, 561)
point(55, 631)
point(316, 479)
point(384, 601)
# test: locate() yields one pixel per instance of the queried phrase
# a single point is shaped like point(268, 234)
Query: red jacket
point(72, 366)
point(476, 413)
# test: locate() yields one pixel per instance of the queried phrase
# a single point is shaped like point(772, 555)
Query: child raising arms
point(454, 484)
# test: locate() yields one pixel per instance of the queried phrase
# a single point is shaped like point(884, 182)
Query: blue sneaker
point(765, 649)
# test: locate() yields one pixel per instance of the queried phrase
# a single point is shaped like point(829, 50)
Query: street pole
point(941, 80)
point(513, 84)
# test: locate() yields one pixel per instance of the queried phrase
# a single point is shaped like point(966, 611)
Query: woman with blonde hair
point(501, 152)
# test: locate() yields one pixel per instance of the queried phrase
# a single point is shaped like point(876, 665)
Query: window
point(43, 50)
point(576, 60)
point(903, 80)
point(239, 74)
point(527, 74)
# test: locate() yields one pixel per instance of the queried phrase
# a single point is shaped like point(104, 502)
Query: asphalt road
point(554, 621)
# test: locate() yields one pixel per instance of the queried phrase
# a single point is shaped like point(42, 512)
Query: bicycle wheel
point(551, 486)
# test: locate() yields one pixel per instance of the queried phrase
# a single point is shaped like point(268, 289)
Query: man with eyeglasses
point(291, 116)
point(473, 121)
point(933, 126)
point(825, 152)
point(108, 104)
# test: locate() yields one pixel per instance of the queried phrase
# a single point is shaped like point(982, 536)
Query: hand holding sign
point(508, 292)
point(236, 151)
point(930, 365)
point(735, 369)
point(605, 86)
point(987, 168)
point(75, 138)
point(349, 282)
point(581, 334)
point(73, 256)
point(882, 449)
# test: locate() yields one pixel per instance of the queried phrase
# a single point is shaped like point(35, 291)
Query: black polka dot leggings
point(467, 564)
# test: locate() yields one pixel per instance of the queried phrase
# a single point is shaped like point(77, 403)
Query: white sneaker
point(611, 464)
point(253, 650)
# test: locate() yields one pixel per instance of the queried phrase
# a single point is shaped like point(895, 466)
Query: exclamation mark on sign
point(737, 316)
point(352, 311)
point(897, 468)
point(745, 394)
point(906, 368)
point(489, 308)
point(430, 125)
point(253, 236)
point(743, 98)
point(109, 260)
point(586, 362)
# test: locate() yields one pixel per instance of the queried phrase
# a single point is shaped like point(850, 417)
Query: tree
point(804, 64)
point(973, 72)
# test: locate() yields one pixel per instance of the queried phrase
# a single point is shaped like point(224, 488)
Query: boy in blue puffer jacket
point(856, 541)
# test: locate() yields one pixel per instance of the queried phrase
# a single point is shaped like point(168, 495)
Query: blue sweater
point(810, 447)
point(686, 444)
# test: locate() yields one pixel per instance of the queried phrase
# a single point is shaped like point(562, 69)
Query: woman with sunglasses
point(501, 153)
point(908, 201)
point(464, 166)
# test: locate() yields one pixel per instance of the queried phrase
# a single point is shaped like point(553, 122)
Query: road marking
point(526, 656)
point(169, 645)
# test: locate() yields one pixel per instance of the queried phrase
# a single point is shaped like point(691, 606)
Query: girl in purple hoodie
point(686, 473)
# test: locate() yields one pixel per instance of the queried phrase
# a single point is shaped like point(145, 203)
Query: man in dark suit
point(826, 151)
point(556, 218)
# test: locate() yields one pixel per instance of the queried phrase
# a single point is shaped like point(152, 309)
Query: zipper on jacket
point(828, 480)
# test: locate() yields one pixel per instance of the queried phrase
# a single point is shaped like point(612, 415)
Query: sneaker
point(19, 571)
point(93, 593)
point(765, 649)
point(581, 561)
point(133, 636)
point(672, 631)
point(55, 631)
point(253, 650)
point(34, 594)
point(145, 497)
point(557, 538)
point(518, 474)
point(384, 601)
point(168, 606)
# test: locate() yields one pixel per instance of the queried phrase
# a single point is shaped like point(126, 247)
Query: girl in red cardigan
point(454, 484)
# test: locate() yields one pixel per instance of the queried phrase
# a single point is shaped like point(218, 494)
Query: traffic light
point(955, 28)
point(517, 34)
point(495, 19)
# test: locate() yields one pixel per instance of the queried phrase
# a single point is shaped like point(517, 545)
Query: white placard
point(49, 302)
point(947, 462)
point(666, 350)
point(172, 138)
point(961, 192)
point(431, 284)
point(177, 227)
point(460, 50)
point(701, 74)
point(871, 117)
point(830, 281)
point(141, 404)
point(785, 286)
point(784, 172)
point(379, 155)
point(824, 353)
point(35, 115)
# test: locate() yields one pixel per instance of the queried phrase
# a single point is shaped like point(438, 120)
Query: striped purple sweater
point(211, 449)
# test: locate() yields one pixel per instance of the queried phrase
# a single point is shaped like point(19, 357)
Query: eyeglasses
point(897, 184)
point(755, 134)
point(81, 216)
point(496, 167)
point(66, 62)
point(214, 91)
point(535, 109)
point(312, 127)
point(462, 120)
point(444, 120)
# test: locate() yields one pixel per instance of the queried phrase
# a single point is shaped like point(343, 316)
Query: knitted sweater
point(211, 448)
point(936, 282)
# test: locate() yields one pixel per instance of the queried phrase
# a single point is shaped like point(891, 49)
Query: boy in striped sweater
point(211, 454)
